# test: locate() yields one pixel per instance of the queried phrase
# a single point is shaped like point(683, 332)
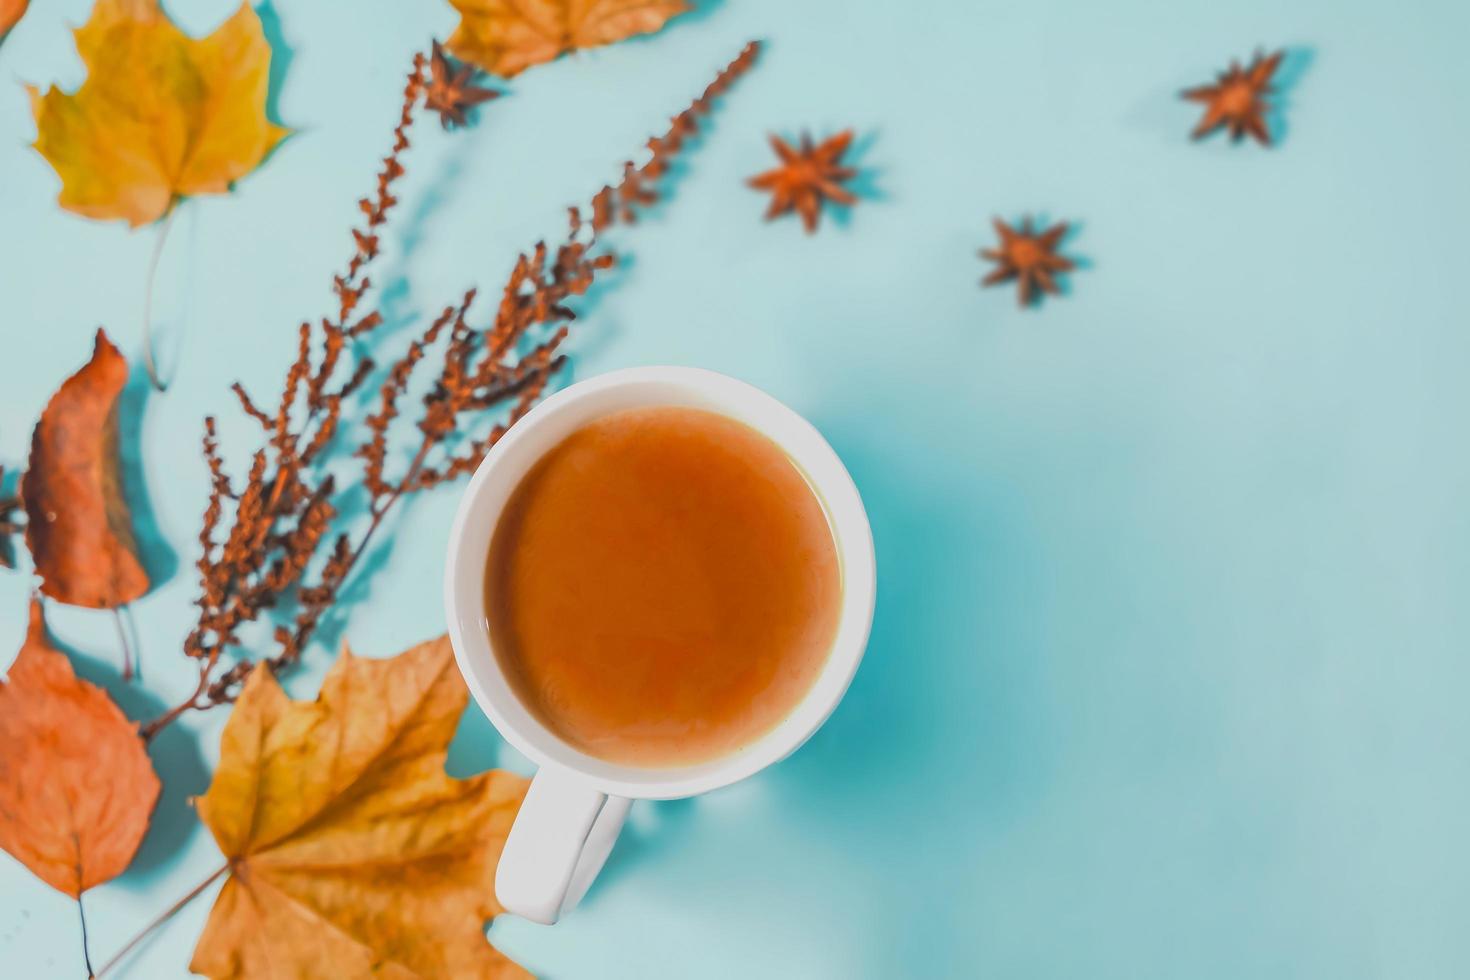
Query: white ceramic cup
point(576, 804)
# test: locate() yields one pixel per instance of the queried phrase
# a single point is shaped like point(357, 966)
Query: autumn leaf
point(506, 37)
point(77, 523)
point(352, 853)
point(76, 786)
point(160, 116)
point(11, 11)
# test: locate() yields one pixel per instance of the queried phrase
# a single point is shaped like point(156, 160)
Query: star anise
point(451, 91)
point(1029, 257)
point(1237, 99)
point(9, 507)
point(808, 175)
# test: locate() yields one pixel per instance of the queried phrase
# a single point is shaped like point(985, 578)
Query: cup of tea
point(659, 582)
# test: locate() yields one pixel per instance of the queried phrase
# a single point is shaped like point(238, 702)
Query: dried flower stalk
point(271, 544)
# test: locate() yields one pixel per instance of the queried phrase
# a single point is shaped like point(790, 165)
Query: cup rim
point(542, 428)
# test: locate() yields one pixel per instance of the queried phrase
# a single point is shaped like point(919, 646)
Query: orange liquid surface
point(663, 587)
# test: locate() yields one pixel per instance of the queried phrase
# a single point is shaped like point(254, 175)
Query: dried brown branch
point(281, 549)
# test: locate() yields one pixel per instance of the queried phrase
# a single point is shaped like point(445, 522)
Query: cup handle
point(559, 841)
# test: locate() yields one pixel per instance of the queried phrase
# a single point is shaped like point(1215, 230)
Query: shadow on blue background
point(282, 54)
point(864, 185)
point(1080, 263)
point(679, 165)
point(174, 752)
point(659, 825)
point(1298, 58)
point(9, 490)
point(158, 558)
point(885, 732)
point(698, 11)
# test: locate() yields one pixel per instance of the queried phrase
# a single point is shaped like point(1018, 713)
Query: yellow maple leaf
point(160, 116)
point(506, 37)
point(352, 853)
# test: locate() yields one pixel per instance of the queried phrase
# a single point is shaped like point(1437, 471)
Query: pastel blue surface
point(1168, 676)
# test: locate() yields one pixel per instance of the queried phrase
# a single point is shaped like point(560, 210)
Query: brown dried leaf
point(352, 853)
point(77, 522)
point(505, 37)
point(76, 786)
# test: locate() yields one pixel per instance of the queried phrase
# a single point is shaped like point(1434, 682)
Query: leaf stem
point(149, 729)
point(160, 920)
point(127, 648)
point(148, 361)
point(86, 953)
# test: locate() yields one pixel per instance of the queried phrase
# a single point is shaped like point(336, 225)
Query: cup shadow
point(653, 826)
point(919, 702)
point(477, 746)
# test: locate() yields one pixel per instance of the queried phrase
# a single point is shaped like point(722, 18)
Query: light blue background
point(1168, 676)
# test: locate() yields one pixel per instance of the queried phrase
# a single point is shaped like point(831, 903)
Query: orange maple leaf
point(160, 116)
point(76, 786)
point(1029, 257)
point(506, 37)
point(77, 524)
point(351, 852)
point(1237, 99)
point(808, 175)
